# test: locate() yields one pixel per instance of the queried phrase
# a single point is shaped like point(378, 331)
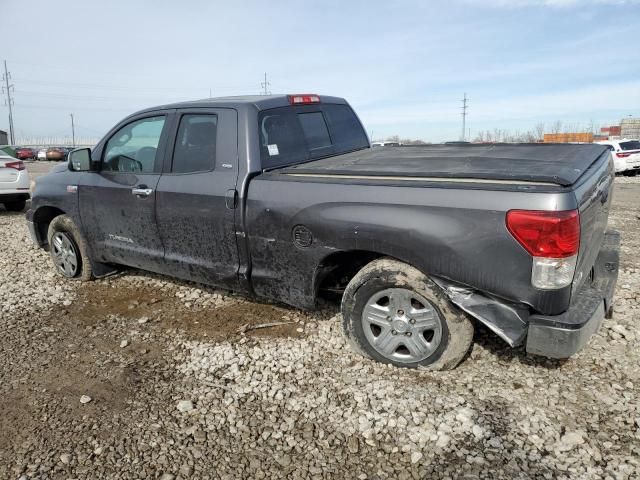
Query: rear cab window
point(299, 133)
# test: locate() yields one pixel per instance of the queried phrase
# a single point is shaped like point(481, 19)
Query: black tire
point(16, 206)
point(455, 329)
point(63, 226)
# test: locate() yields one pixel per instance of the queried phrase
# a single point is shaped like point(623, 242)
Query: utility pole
point(265, 86)
point(73, 131)
point(6, 88)
point(210, 95)
point(464, 116)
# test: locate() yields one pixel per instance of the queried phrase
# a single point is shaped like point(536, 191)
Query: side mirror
point(80, 160)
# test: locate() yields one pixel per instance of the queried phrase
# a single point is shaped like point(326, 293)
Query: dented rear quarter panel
point(455, 231)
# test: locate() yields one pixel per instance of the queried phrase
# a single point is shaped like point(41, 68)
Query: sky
point(403, 65)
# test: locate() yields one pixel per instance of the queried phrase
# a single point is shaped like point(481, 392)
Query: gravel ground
point(141, 376)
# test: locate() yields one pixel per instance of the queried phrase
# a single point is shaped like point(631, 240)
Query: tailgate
point(594, 194)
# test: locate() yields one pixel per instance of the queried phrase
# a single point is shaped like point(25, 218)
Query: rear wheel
point(16, 206)
point(68, 249)
point(393, 313)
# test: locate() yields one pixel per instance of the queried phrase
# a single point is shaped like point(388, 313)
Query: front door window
point(134, 147)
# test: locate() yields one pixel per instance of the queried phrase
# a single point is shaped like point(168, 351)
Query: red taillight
point(303, 98)
point(623, 155)
point(19, 165)
point(546, 234)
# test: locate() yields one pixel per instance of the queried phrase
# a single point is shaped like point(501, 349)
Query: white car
point(626, 155)
point(42, 154)
point(15, 183)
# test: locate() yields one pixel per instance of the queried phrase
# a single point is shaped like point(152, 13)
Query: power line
point(464, 116)
point(265, 85)
point(9, 101)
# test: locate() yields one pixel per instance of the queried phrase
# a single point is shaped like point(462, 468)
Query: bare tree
point(539, 131)
point(556, 127)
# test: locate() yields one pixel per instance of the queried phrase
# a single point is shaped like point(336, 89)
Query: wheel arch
point(42, 217)
point(336, 270)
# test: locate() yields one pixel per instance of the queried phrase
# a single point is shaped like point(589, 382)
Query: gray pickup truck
point(281, 197)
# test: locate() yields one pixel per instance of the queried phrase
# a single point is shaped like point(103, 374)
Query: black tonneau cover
point(561, 164)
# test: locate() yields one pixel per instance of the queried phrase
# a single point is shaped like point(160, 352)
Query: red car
point(25, 153)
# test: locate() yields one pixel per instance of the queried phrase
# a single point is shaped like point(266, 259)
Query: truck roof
point(257, 102)
point(560, 164)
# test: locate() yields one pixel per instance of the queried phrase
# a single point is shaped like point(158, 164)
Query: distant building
point(568, 137)
point(4, 139)
point(612, 131)
point(630, 128)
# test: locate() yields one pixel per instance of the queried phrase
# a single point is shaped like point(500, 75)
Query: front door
point(118, 203)
point(196, 198)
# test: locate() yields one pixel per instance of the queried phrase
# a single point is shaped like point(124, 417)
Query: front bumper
point(560, 336)
point(32, 228)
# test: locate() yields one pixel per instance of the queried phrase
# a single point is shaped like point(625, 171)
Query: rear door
point(118, 203)
point(196, 197)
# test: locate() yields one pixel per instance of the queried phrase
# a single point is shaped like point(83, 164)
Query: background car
point(14, 183)
point(626, 155)
point(56, 154)
point(42, 154)
point(25, 153)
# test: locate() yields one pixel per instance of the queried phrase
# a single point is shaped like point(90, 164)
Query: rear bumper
point(560, 336)
point(13, 196)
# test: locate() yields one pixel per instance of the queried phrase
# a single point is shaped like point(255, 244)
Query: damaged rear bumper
point(557, 336)
point(560, 336)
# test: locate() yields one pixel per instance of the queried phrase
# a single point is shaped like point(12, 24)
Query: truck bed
point(559, 164)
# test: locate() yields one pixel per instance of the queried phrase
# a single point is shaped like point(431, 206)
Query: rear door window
point(630, 145)
point(195, 148)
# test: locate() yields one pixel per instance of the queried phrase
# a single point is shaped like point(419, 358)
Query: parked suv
point(626, 155)
point(14, 183)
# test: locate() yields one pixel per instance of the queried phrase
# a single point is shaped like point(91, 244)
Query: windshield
point(296, 134)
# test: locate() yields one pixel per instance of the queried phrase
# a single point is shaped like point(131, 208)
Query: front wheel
point(393, 313)
point(68, 249)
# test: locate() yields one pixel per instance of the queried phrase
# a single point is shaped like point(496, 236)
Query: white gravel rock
point(185, 406)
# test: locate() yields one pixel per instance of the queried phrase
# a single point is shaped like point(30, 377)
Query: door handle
point(231, 198)
point(142, 191)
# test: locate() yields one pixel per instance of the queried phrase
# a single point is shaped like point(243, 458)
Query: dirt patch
point(98, 300)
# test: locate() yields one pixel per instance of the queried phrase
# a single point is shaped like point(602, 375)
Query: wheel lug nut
point(393, 332)
point(408, 334)
point(400, 312)
point(413, 320)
